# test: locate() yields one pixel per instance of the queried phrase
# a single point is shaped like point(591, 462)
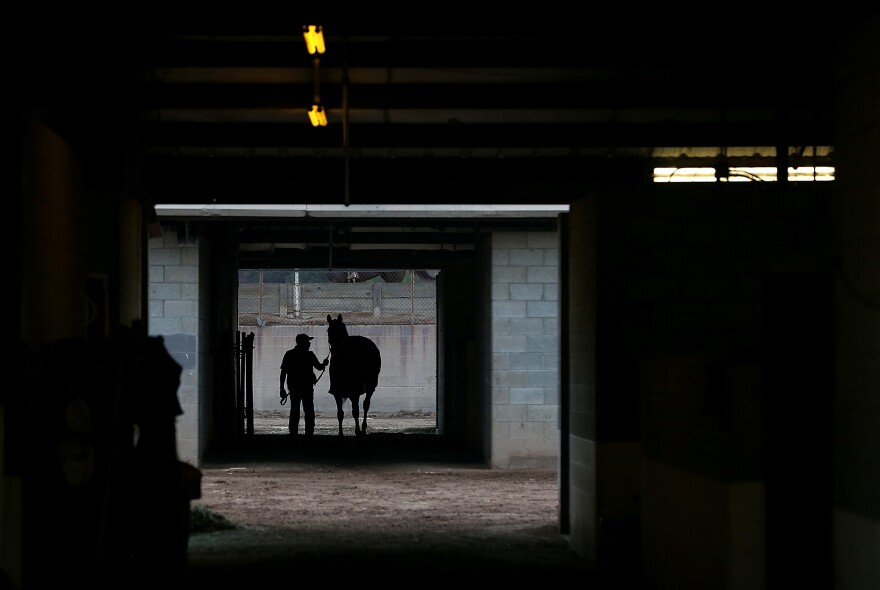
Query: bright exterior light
point(318, 116)
point(744, 174)
point(314, 36)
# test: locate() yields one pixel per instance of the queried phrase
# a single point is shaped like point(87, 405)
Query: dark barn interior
point(721, 335)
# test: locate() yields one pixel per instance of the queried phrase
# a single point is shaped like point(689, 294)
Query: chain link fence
point(400, 297)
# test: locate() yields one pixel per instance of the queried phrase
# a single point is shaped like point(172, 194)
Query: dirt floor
point(392, 508)
point(277, 422)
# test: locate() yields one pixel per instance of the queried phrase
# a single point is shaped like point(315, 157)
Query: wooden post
point(249, 382)
point(239, 384)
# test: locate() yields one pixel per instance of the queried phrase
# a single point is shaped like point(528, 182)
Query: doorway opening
point(396, 308)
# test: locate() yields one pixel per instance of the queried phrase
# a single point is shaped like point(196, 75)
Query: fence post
point(297, 304)
point(260, 315)
point(377, 299)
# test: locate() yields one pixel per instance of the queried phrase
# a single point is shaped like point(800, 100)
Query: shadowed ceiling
point(433, 108)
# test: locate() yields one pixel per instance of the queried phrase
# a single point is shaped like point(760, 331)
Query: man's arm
point(283, 393)
point(318, 364)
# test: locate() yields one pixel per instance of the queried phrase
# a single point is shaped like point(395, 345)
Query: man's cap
point(302, 338)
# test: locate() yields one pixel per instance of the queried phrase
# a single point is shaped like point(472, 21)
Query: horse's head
point(336, 330)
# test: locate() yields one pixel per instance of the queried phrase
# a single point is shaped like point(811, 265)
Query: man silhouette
point(297, 368)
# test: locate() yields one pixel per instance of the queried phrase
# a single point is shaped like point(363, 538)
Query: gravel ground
point(385, 510)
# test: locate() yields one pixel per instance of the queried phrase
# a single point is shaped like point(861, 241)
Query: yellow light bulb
point(318, 116)
point(314, 37)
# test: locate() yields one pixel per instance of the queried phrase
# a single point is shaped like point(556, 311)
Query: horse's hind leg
point(340, 413)
point(354, 412)
point(366, 409)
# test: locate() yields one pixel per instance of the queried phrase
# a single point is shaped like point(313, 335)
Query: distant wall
point(407, 382)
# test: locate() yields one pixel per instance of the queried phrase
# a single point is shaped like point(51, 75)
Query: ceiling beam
point(470, 136)
point(704, 91)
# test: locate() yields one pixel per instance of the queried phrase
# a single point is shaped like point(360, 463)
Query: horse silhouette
point(355, 363)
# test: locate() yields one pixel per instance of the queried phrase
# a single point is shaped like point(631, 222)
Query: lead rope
point(324, 369)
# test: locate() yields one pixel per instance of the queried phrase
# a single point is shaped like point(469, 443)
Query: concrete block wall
point(685, 282)
point(703, 511)
point(174, 315)
point(583, 450)
point(525, 350)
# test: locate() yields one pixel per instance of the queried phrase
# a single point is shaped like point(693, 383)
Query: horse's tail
point(374, 367)
point(372, 363)
point(378, 358)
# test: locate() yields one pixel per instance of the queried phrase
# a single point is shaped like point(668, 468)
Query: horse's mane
point(337, 330)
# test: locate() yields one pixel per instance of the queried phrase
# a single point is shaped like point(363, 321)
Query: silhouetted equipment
point(115, 498)
point(244, 383)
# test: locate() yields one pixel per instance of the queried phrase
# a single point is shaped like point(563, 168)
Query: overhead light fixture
point(743, 174)
point(314, 36)
point(318, 116)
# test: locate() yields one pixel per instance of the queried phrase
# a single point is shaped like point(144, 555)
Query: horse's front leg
point(340, 413)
